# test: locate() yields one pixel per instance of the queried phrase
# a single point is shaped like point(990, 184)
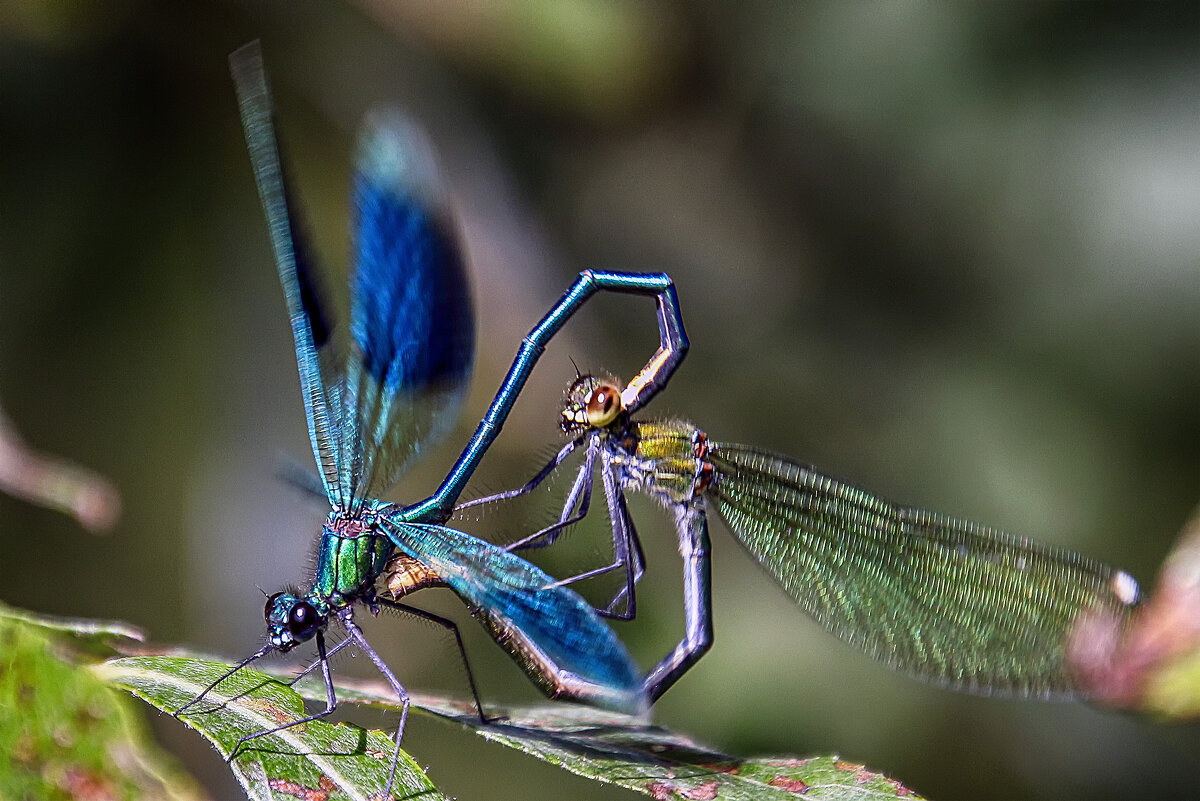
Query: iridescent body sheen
point(374, 401)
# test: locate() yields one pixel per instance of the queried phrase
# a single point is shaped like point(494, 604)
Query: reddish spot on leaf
point(901, 790)
point(861, 774)
point(321, 792)
point(88, 786)
point(789, 784)
point(705, 792)
point(271, 710)
point(660, 791)
point(721, 767)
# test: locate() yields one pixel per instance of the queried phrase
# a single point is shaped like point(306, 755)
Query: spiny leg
point(313, 665)
point(692, 526)
point(625, 532)
point(581, 494)
point(627, 550)
point(330, 702)
point(530, 485)
point(347, 619)
point(462, 651)
point(266, 649)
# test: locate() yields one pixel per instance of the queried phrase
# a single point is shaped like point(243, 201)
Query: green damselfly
point(946, 600)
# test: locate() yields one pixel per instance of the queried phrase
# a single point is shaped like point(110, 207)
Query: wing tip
point(395, 154)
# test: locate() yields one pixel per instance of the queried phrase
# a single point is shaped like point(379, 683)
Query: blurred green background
point(949, 252)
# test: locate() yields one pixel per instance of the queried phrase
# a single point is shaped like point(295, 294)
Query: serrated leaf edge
point(109, 672)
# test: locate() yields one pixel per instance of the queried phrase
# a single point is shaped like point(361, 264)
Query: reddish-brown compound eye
point(603, 406)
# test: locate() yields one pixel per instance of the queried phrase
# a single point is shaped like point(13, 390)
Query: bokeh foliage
point(947, 251)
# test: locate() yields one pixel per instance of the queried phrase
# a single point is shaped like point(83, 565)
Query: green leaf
point(315, 759)
point(625, 751)
point(99, 637)
point(604, 746)
point(63, 733)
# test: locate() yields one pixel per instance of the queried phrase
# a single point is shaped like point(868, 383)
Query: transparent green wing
point(949, 601)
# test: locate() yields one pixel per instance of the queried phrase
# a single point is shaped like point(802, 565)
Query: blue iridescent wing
point(411, 321)
point(311, 324)
point(554, 633)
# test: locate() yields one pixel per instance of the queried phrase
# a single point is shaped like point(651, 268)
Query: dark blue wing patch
point(415, 327)
point(567, 630)
point(519, 597)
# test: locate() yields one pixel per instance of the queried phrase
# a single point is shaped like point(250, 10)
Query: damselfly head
point(291, 620)
point(591, 402)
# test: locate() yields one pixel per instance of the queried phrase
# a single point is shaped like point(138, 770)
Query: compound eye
point(270, 607)
point(603, 406)
point(303, 621)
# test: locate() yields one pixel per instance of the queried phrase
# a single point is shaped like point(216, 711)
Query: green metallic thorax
point(352, 555)
point(666, 459)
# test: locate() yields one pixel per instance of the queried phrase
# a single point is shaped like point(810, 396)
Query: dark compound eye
point(603, 405)
point(303, 621)
point(270, 608)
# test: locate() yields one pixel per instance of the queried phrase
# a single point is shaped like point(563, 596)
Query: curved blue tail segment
point(556, 636)
point(673, 347)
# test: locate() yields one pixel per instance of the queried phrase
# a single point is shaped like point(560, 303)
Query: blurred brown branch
point(56, 483)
